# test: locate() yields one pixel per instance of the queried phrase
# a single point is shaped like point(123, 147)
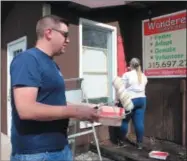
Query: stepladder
point(77, 96)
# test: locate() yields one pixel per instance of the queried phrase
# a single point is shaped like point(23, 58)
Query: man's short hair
point(49, 21)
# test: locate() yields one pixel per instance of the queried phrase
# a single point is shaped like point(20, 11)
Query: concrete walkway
point(5, 147)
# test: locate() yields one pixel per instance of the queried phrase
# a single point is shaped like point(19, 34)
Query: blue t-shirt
point(34, 68)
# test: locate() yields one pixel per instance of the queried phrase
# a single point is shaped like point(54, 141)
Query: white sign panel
point(164, 46)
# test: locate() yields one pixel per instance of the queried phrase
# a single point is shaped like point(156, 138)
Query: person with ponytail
point(135, 83)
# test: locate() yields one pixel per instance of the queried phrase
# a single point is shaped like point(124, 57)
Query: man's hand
point(84, 111)
point(86, 114)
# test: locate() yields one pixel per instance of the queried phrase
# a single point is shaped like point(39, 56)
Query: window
point(94, 37)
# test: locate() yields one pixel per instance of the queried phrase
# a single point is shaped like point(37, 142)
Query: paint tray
point(158, 155)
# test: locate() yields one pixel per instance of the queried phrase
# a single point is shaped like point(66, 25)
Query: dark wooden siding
point(20, 21)
point(164, 110)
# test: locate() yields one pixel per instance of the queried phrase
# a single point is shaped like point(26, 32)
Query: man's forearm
point(41, 112)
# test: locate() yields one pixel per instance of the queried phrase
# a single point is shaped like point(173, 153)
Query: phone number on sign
point(173, 63)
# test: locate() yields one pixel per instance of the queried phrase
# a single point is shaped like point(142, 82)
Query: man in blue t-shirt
point(39, 110)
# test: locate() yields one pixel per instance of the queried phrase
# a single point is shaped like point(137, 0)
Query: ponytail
point(135, 64)
point(139, 74)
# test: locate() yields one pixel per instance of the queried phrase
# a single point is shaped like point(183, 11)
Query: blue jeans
point(137, 116)
point(64, 155)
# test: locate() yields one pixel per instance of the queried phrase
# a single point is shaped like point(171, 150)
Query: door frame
point(9, 59)
point(103, 26)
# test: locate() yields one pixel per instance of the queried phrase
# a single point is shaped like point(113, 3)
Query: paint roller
point(122, 94)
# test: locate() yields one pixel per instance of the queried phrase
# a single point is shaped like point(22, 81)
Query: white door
point(97, 61)
point(13, 48)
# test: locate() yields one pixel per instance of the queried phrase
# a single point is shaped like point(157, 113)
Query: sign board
point(164, 46)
